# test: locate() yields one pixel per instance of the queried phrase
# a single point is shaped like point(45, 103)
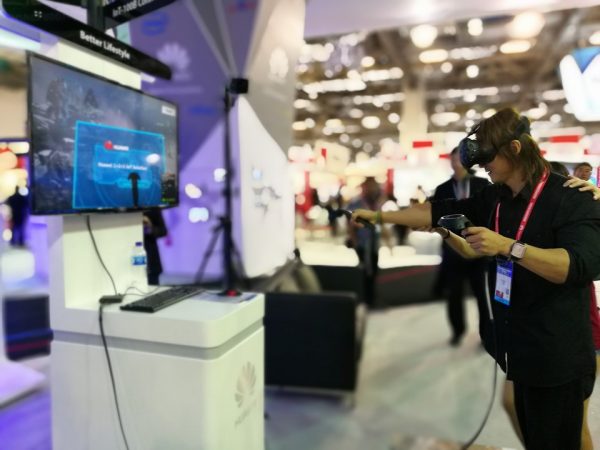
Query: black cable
point(495, 377)
point(112, 377)
point(89, 227)
point(103, 336)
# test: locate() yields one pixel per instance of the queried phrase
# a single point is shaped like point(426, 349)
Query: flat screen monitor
point(97, 145)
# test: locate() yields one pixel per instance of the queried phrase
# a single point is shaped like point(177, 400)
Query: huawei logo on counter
point(245, 384)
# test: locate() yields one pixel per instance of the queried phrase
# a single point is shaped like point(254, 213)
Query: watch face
point(518, 250)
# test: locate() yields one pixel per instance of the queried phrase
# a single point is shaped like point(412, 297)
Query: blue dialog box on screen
point(113, 166)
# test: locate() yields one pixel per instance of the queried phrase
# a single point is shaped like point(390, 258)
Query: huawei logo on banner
point(245, 384)
point(178, 58)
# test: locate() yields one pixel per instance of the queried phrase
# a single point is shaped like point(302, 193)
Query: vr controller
point(455, 223)
point(335, 213)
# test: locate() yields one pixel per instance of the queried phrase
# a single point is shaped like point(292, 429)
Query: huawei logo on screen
point(108, 145)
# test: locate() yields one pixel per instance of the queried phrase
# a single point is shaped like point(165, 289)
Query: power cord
point(495, 377)
point(89, 227)
point(112, 377)
point(103, 335)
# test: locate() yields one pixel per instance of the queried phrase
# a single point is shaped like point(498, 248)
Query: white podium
point(188, 377)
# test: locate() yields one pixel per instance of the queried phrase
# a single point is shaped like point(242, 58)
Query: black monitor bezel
point(30, 57)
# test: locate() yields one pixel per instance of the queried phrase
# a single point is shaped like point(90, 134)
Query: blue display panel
point(110, 162)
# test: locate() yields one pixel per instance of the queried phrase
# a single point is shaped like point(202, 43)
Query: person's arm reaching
point(416, 216)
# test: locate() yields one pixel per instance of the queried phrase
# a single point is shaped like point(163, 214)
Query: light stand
point(234, 87)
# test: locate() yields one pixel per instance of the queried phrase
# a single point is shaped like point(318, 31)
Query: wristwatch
point(517, 251)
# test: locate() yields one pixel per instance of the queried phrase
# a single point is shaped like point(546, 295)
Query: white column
point(413, 126)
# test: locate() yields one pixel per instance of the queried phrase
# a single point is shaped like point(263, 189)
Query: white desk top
point(205, 321)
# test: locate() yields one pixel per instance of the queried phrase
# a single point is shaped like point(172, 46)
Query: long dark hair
point(500, 130)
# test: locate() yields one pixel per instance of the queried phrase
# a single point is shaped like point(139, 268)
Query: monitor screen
point(97, 145)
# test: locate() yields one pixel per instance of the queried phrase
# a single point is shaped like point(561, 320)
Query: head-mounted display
point(472, 152)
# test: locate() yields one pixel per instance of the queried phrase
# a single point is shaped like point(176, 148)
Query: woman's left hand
point(574, 182)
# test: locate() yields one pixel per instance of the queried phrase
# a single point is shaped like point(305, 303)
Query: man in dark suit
point(455, 270)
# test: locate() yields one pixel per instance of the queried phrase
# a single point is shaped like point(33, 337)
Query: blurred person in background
point(365, 241)
point(455, 270)
point(559, 168)
point(542, 242)
point(583, 171)
point(154, 229)
point(19, 209)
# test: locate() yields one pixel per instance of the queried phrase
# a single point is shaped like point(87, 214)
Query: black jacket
point(544, 337)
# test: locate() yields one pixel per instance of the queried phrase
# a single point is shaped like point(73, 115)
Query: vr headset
point(471, 152)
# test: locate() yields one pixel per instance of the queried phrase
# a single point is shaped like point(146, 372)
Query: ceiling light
point(368, 147)
point(356, 143)
point(423, 35)
point(446, 67)
point(515, 46)
point(471, 114)
point(444, 118)
point(333, 123)
point(394, 118)
point(469, 123)
point(433, 56)
point(595, 38)
point(356, 113)
point(553, 95)
point(396, 73)
point(310, 123)
point(344, 138)
point(470, 97)
point(299, 126)
point(555, 118)
point(300, 103)
point(475, 27)
point(488, 113)
point(472, 71)
point(370, 122)
point(367, 61)
point(353, 74)
point(526, 25)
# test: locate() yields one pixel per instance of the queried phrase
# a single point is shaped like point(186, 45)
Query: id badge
point(504, 274)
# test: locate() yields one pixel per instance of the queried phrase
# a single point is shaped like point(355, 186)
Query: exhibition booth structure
point(102, 150)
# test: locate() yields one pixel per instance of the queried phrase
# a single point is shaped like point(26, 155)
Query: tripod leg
point(208, 254)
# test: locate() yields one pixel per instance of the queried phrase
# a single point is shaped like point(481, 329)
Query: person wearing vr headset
point(542, 244)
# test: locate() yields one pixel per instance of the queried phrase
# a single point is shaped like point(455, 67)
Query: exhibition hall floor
point(411, 384)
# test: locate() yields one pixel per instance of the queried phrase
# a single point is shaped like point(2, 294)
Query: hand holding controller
point(455, 223)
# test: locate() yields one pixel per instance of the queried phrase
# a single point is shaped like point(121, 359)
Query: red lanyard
point(532, 201)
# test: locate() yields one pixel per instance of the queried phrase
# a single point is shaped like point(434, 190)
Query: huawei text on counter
point(130, 7)
point(108, 46)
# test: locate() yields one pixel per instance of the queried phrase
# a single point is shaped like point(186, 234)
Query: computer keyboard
point(160, 300)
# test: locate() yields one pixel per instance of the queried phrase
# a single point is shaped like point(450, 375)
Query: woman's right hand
point(363, 214)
